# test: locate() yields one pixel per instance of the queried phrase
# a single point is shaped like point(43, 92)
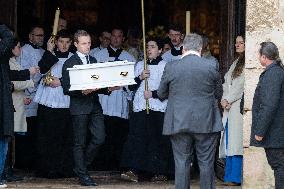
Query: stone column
point(264, 22)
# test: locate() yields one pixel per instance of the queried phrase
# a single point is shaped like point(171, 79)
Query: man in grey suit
point(192, 118)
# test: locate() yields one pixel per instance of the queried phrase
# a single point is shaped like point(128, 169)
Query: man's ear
point(75, 43)
point(30, 36)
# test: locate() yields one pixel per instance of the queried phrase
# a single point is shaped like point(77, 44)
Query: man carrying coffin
point(85, 110)
point(115, 106)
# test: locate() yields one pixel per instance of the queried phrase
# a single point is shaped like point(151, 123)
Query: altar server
point(146, 148)
point(115, 106)
point(176, 36)
point(54, 119)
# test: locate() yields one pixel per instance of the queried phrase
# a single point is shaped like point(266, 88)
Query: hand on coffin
point(55, 82)
point(50, 44)
point(144, 74)
point(147, 94)
point(110, 89)
point(34, 70)
point(88, 91)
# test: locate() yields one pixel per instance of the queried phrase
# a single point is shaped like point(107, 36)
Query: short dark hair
point(117, 28)
point(176, 27)
point(63, 34)
point(167, 40)
point(158, 41)
point(80, 33)
point(205, 40)
point(35, 26)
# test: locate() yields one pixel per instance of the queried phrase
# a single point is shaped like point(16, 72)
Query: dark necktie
point(87, 58)
point(175, 52)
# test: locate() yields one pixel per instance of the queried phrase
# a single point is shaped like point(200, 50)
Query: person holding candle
point(146, 149)
point(54, 119)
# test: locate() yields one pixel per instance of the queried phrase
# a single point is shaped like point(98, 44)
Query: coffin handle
point(124, 74)
point(95, 76)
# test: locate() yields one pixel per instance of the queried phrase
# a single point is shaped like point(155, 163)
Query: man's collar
point(270, 65)
point(33, 45)
point(190, 52)
point(81, 55)
point(178, 47)
point(113, 48)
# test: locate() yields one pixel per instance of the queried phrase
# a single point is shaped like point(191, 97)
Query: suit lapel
point(78, 59)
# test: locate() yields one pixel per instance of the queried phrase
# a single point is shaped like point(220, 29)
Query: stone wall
point(264, 22)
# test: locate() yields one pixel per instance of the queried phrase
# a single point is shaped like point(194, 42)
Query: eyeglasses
point(38, 35)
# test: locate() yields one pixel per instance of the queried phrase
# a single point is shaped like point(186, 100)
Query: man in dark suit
point(192, 118)
point(86, 111)
point(268, 111)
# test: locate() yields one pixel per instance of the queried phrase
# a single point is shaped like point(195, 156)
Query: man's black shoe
point(87, 181)
point(13, 178)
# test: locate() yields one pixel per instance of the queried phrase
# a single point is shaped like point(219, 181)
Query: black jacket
point(79, 103)
point(268, 108)
point(6, 75)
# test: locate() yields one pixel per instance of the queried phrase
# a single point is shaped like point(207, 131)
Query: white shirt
point(83, 57)
point(168, 57)
point(53, 97)
point(95, 50)
point(30, 57)
point(156, 72)
point(116, 104)
point(190, 52)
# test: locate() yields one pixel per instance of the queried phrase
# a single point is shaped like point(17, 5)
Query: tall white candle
point(55, 23)
point(187, 22)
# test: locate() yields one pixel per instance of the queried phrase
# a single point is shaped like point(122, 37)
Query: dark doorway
point(220, 20)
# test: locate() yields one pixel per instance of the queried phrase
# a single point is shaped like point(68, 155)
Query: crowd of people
point(58, 133)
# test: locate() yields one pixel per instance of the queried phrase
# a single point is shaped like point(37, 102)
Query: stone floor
point(106, 180)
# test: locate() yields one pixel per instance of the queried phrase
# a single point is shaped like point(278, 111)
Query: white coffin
point(101, 75)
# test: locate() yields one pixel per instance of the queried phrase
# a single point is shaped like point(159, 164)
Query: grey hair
point(80, 33)
point(193, 42)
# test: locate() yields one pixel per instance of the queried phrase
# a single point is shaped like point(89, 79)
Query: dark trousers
point(205, 146)
point(275, 158)
point(25, 150)
point(84, 153)
point(116, 136)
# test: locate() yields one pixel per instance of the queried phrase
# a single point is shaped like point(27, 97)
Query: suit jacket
point(79, 103)
point(190, 85)
point(268, 109)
